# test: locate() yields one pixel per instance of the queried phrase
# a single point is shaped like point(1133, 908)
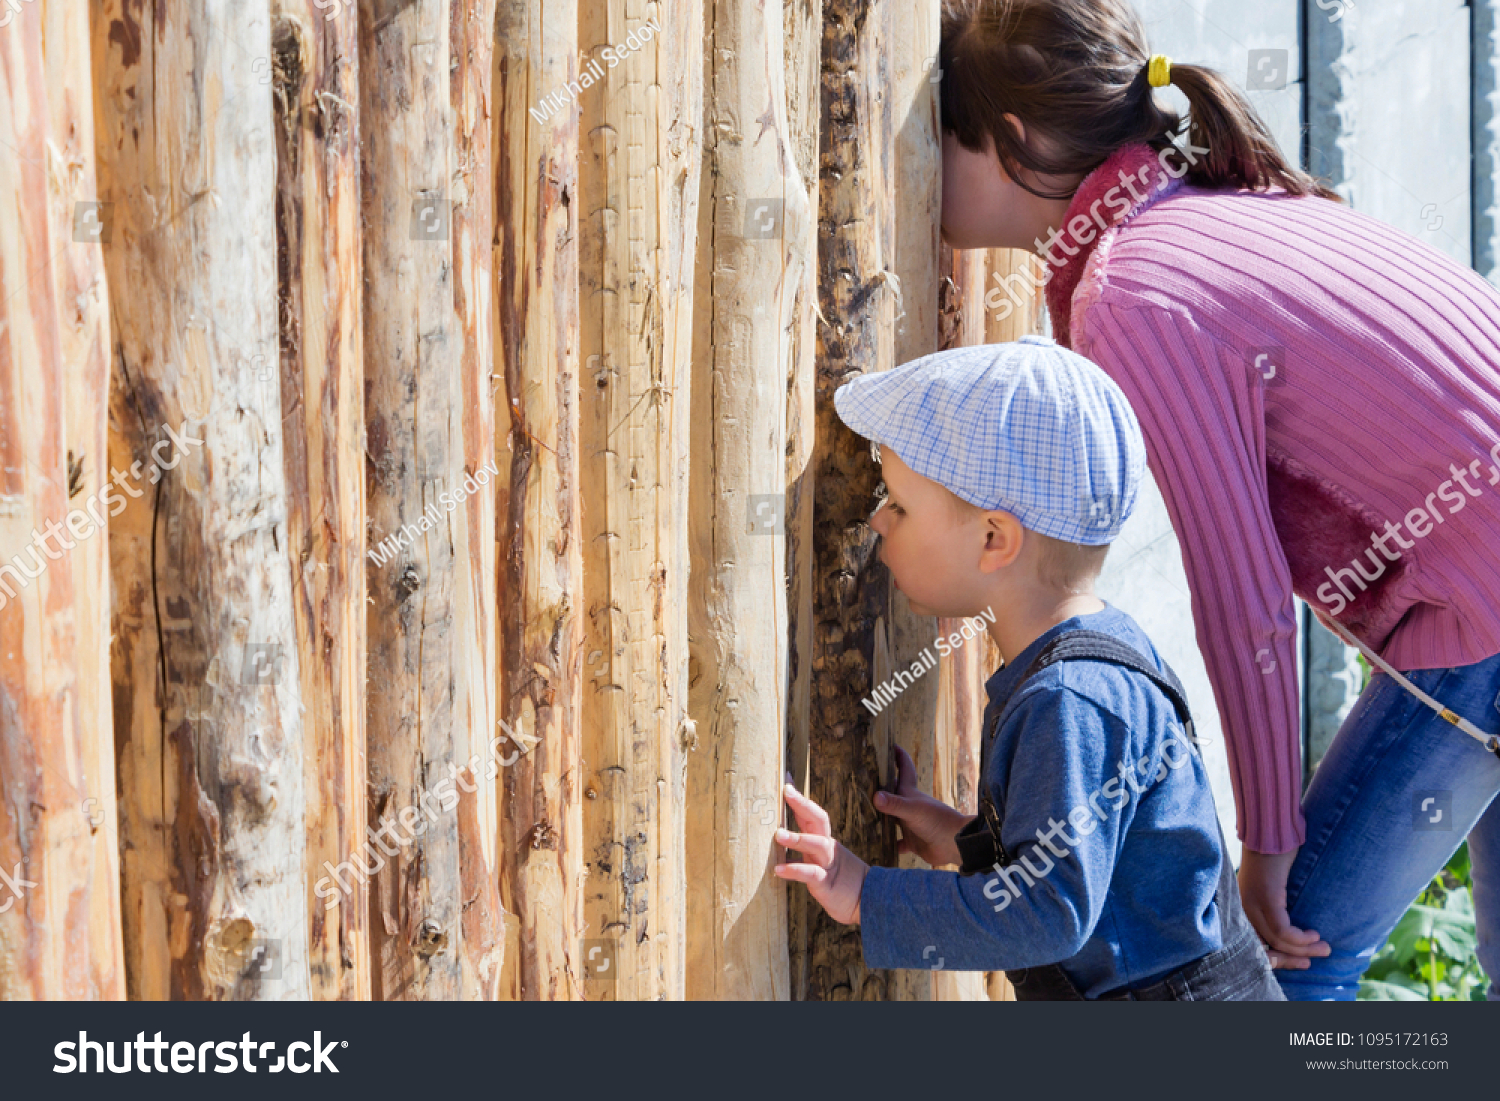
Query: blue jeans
point(1389, 804)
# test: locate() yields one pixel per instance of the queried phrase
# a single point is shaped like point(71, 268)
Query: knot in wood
point(409, 582)
point(430, 939)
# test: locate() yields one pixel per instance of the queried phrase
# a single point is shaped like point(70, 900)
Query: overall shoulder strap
point(979, 841)
point(1097, 646)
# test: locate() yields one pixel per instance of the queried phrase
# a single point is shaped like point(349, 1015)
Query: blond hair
point(1061, 566)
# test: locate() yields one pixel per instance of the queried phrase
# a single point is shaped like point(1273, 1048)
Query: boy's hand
point(835, 875)
point(927, 824)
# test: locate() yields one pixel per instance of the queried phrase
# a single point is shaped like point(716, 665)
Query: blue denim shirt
point(1114, 883)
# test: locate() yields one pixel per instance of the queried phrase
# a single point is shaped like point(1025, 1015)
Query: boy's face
point(933, 554)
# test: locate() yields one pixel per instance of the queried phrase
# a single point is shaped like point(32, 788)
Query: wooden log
point(1012, 301)
point(850, 588)
point(471, 188)
point(83, 306)
point(912, 719)
point(59, 930)
point(755, 265)
point(142, 780)
point(802, 21)
point(639, 179)
point(428, 715)
point(207, 698)
point(961, 700)
point(536, 451)
point(316, 96)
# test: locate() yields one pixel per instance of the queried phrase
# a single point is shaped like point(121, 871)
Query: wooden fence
point(426, 538)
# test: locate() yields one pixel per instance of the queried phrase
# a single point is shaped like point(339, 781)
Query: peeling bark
point(316, 95)
point(470, 60)
point(851, 594)
point(802, 21)
point(207, 698)
point(541, 589)
point(426, 710)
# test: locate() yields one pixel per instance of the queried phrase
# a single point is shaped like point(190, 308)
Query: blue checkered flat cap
point(1030, 428)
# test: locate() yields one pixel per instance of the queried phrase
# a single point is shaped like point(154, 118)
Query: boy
point(1096, 868)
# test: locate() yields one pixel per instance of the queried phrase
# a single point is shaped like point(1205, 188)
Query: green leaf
point(1460, 902)
point(1460, 866)
point(1411, 928)
point(1431, 951)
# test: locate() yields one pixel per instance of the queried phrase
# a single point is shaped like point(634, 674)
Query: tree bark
point(316, 92)
point(427, 710)
point(851, 593)
point(541, 589)
point(639, 178)
point(208, 711)
point(756, 263)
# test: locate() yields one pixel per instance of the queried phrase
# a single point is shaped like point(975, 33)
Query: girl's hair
point(1074, 71)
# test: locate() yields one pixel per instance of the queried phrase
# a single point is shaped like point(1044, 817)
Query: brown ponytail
point(1074, 71)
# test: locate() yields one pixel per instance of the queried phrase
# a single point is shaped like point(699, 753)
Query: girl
point(1321, 408)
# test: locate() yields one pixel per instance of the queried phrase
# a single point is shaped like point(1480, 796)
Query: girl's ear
point(1018, 127)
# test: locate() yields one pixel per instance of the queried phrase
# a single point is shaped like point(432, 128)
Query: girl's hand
point(927, 824)
point(834, 875)
point(1263, 892)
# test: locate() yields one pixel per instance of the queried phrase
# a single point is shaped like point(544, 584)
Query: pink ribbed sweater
point(1384, 398)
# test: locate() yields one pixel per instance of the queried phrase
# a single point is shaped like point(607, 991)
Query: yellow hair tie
point(1159, 72)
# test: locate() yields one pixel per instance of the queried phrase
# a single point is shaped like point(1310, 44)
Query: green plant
point(1430, 955)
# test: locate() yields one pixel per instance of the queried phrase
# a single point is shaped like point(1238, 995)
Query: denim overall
point(1238, 971)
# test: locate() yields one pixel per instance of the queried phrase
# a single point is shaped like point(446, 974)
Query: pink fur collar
point(1131, 179)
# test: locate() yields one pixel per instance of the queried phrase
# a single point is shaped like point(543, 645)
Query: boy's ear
point(1002, 541)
